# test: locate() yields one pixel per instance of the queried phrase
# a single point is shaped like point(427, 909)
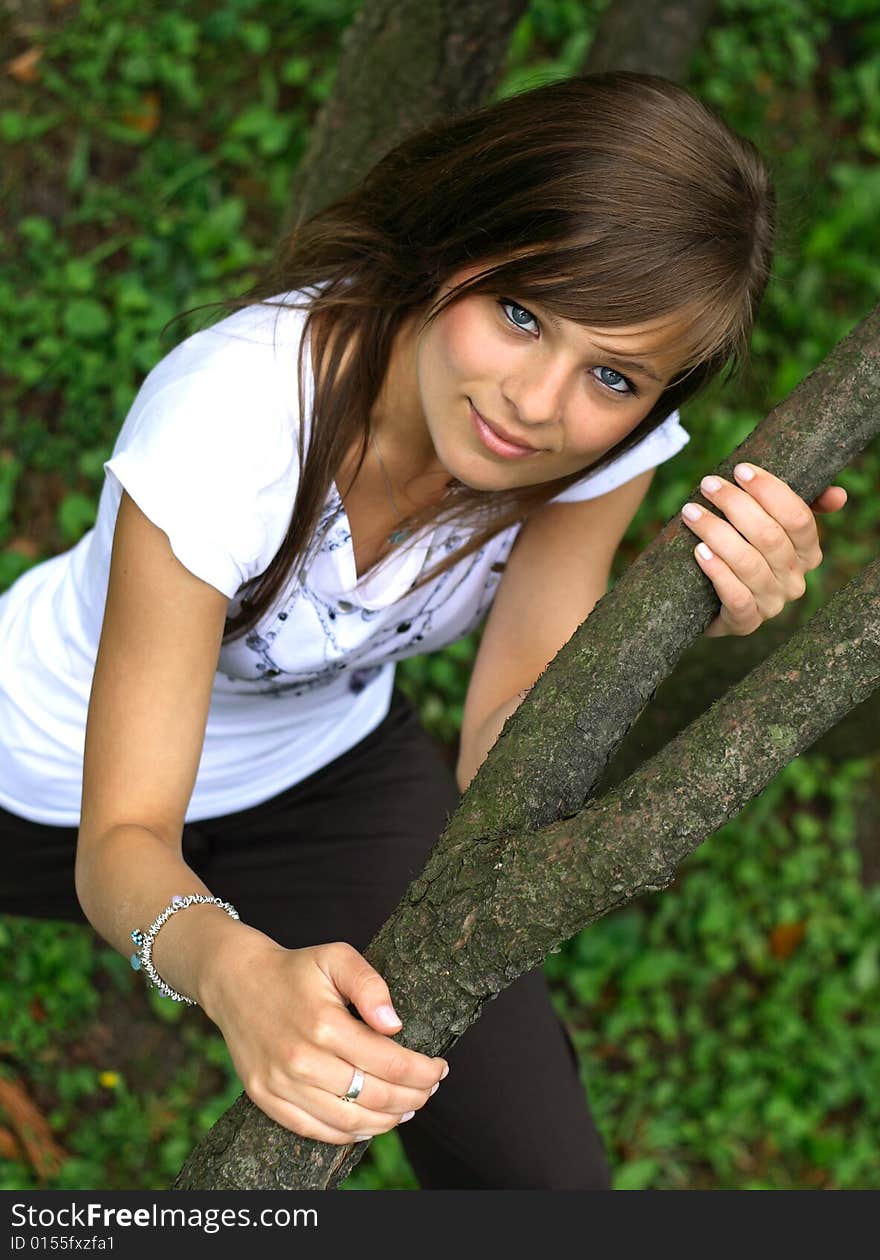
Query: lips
point(498, 441)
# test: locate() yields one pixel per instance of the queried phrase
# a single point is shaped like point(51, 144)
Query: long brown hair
point(609, 199)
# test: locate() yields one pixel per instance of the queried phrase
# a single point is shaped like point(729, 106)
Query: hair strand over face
point(610, 199)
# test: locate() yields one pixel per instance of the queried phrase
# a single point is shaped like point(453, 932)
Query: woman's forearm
point(125, 878)
point(470, 758)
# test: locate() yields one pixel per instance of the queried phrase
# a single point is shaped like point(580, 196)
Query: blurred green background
point(729, 1027)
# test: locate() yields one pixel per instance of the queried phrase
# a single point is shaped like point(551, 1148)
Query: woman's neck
point(397, 423)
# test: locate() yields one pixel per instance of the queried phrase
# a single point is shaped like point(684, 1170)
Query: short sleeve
point(661, 444)
point(210, 457)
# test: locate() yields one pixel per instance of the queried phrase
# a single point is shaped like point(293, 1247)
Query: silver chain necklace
point(396, 535)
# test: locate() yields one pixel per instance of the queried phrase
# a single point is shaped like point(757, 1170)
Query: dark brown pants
point(328, 860)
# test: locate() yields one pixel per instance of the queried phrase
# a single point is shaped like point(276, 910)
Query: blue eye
point(503, 302)
point(629, 387)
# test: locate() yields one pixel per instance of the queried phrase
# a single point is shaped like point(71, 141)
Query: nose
point(537, 394)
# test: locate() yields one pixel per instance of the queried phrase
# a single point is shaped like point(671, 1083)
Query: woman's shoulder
point(254, 347)
point(233, 384)
point(209, 449)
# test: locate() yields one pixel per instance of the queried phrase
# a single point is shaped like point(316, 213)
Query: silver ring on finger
point(354, 1089)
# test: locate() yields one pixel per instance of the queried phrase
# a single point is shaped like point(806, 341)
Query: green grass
point(729, 1026)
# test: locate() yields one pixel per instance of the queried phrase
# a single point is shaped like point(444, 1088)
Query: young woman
point(449, 398)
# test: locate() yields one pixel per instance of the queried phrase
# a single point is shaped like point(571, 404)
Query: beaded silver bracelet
point(143, 959)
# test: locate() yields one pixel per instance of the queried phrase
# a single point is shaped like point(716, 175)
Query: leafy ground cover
point(730, 1026)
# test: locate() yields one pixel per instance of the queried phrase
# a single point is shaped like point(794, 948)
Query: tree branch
point(481, 915)
point(708, 669)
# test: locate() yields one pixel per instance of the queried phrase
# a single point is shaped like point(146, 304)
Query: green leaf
point(652, 969)
point(36, 229)
point(13, 126)
point(85, 318)
point(79, 275)
point(866, 967)
point(76, 514)
point(636, 1175)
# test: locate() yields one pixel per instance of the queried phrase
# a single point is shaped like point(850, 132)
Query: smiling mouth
point(505, 437)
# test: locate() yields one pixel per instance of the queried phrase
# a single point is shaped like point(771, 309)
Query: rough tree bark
point(710, 668)
point(528, 859)
point(658, 37)
point(402, 64)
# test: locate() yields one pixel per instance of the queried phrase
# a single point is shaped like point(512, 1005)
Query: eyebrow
point(632, 365)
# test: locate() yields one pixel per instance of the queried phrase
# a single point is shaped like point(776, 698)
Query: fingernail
point(434, 1088)
point(407, 1115)
point(386, 1016)
point(691, 512)
point(703, 551)
point(444, 1073)
point(362, 1137)
point(744, 472)
point(710, 484)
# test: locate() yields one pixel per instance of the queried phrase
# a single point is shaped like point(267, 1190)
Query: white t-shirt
point(208, 451)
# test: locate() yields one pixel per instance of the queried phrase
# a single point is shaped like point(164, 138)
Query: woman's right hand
point(282, 1013)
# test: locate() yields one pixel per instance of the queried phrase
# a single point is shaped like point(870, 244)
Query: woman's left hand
point(757, 562)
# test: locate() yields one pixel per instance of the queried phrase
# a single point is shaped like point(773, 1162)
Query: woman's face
point(553, 386)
